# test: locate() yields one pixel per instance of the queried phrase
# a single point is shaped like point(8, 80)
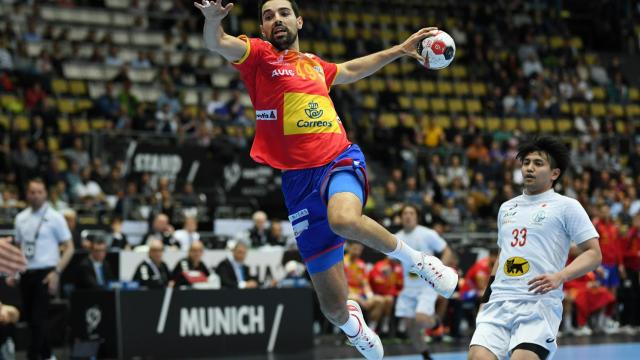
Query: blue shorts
point(305, 195)
point(611, 277)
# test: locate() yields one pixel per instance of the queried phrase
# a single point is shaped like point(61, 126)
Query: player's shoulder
point(511, 203)
point(566, 201)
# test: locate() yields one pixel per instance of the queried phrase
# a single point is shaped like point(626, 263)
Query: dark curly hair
point(294, 6)
point(557, 152)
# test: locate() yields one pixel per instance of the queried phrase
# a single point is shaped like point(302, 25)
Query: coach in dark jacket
point(93, 272)
point(153, 273)
point(233, 273)
point(186, 268)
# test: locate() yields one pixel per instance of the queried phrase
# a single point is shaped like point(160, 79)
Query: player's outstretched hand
point(12, 260)
point(213, 9)
point(409, 46)
point(542, 284)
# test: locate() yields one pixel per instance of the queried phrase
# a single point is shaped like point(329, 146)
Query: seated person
point(152, 272)
point(162, 229)
point(93, 272)
point(191, 269)
point(116, 239)
point(233, 273)
point(188, 234)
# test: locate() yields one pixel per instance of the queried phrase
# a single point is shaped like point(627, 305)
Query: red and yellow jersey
point(297, 126)
point(386, 278)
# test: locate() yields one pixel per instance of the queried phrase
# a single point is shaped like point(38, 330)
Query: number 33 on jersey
point(534, 236)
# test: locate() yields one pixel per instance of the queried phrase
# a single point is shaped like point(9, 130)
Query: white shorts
point(412, 301)
point(503, 325)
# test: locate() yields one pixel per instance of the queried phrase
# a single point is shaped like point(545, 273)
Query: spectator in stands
point(233, 272)
point(217, 109)
point(127, 100)
point(71, 217)
point(191, 269)
point(153, 273)
point(162, 229)
point(93, 272)
point(116, 239)
point(113, 57)
point(188, 197)
point(236, 109)
point(295, 276)
point(141, 61)
point(107, 104)
point(169, 97)
point(276, 237)
point(376, 306)
point(188, 234)
point(25, 160)
point(385, 279)
point(259, 234)
point(166, 120)
point(87, 190)
point(34, 95)
point(77, 154)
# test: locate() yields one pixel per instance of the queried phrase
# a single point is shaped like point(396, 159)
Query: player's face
point(409, 218)
point(279, 24)
point(537, 173)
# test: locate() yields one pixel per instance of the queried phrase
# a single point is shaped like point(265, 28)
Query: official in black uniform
point(188, 268)
point(153, 273)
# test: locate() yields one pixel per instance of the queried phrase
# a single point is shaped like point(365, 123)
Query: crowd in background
point(458, 172)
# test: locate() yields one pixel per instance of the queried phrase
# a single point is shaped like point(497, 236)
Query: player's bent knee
point(477, 352)
point(343, 222)
point(425, 321)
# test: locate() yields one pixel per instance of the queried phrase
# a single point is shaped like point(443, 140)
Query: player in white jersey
point(416, 303)
point(523, 306)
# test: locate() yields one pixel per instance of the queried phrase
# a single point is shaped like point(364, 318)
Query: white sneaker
point(443, 278)
point(583, 331)
point(366, 341)
point(611, 327)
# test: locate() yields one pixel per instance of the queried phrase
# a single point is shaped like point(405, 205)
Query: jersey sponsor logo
point(516, 266)
point(282, 72)
point(297, 215)
point(312, 111)
point(300, 227)
point(267, 114)
point(538, 217)
point(309, 114)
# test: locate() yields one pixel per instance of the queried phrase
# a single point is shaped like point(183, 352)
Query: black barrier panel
point(93, 318)
point(209, 323)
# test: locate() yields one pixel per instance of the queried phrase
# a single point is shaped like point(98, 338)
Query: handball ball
point(438, 51)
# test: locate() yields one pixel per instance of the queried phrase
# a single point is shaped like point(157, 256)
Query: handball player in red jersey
point(324, 179)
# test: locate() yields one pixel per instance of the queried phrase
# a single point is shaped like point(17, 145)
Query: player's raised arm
point(215, 39)
point(359, 68)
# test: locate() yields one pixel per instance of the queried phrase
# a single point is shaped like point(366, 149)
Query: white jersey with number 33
point(534, 236)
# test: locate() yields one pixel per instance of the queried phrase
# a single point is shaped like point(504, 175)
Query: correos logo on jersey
point(516, 266)
point(309, 114)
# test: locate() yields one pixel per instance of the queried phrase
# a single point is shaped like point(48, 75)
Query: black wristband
point(487, 291)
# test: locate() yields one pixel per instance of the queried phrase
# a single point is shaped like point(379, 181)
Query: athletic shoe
point(366, 340)
point(583, 331)
point(611, 327)
point(443, 278)
point(426, 355)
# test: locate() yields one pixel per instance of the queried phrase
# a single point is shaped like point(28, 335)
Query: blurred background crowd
point(76, 73)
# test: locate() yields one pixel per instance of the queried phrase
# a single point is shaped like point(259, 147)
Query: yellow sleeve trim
point(247, 52)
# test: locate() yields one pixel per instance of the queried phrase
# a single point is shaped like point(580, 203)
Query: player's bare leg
point(344, 213)
point(477, 352)
point(332, 290)
point(521, 354)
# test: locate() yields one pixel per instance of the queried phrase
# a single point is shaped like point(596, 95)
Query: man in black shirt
point(191, 269)
point(153, 273)
point(163, 230)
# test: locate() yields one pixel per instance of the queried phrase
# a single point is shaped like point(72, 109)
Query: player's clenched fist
point(214, 9)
